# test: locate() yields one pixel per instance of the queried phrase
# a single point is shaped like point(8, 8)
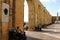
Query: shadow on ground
point(50, 32)
point(30, 38)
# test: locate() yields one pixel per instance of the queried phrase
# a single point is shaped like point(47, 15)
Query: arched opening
point(25, 14)
point(29, 17)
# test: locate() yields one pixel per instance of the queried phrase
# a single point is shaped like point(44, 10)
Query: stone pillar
point(0, 19)
point(5, 20)
point(19, 14)
point(57, 17)
point(44, 16)
point(46, 19)
point(36, 2)
point(10, 2)
point(10, 15)
point(40, 14)
point(31, 7)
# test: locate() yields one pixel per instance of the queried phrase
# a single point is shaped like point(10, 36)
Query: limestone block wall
point(5, 24)
point(49, 19)
point(40, 14)
point(39, 11)
point(36, 12)
point(10, 15)
point(43, 15)
point(0, 19)
point(46, 17)
point(5, 31)
point(19, 18)
point(19, 14)
point(6, 1)
point(16, 17)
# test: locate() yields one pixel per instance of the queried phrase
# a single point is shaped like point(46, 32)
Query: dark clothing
point(23, 36)
point(12, 35)
point(16, 35)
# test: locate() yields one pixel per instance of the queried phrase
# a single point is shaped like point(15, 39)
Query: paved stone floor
point(30, 38)
point(52, 32)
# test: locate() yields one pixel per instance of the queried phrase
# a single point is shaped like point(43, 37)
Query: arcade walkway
point(52, 32)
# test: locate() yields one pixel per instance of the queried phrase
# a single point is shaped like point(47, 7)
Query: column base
point(31, 29)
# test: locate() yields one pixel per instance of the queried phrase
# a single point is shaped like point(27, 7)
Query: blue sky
point(53, 6)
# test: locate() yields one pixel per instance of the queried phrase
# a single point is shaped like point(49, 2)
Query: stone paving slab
point(52, 32)
point(40, 36)
point(30, 38)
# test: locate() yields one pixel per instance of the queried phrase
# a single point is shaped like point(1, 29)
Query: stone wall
point(38, 14)
point(16, 17)
point(19, 14)
point(0, 19)
point(4, 23)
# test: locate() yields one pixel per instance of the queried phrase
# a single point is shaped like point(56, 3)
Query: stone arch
point(31, 14)
point(17, 15)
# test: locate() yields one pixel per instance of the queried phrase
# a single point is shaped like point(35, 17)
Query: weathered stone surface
point(0, 18)
point(31, 7)
point(35, 8)
point(5, 26)
point(4, 31)
point(19, 14)
point(10, 15)
point(38, 14)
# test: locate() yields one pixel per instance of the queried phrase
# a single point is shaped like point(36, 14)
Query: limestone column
point(5, 20)
point(45, 17)
point(40, 15)
point(31, 14)
point(10, 14)
point(57, 17)
point(19, 14)
point(10, 2)
point(0, 20)
point(36, 2)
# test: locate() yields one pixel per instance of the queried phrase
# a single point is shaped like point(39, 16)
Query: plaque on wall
point(5, 12)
